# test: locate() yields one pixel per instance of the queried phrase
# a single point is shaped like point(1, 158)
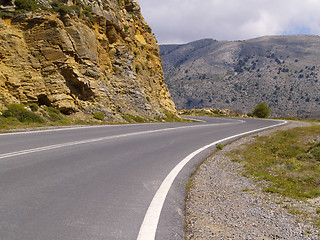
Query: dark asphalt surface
point(100, 188)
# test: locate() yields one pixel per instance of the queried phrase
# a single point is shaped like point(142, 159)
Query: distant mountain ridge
point(282, 71)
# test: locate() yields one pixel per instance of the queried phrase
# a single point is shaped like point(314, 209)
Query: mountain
point(282, 71)
point(81, 56)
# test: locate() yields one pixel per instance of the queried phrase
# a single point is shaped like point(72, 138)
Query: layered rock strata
point(85, 56)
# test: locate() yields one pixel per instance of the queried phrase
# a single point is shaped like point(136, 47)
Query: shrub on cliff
point(261, 110)
point(34, 107)
point(19, 112)
point(54, 115)
point(26, 5)
point(75, 9)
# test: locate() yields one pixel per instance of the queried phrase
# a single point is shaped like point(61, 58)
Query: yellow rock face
point(109, 63)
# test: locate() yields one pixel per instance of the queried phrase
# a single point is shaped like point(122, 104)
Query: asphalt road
point(96, 183)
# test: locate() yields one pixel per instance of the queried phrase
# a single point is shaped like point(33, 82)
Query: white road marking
point(149, 225)
point(193, 119)
point(85, 127)
point(68, 144)
point(56, 129)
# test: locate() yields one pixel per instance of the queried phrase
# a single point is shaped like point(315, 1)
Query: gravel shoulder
point(223, 204)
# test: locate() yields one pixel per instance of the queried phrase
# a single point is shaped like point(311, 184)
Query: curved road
point(97, 183)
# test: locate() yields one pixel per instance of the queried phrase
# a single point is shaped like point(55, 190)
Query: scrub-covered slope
point(282, 71)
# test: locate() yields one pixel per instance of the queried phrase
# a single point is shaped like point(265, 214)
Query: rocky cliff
point(282, 71)
point(81, 56)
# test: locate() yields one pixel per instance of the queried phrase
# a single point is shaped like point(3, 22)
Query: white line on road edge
point(69, 144)
point(58, 129)
point(150, 223)
point(67, 128)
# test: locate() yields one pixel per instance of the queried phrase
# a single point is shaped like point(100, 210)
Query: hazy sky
point(181, 21)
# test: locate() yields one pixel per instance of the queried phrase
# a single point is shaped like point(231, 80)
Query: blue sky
point(182, 21)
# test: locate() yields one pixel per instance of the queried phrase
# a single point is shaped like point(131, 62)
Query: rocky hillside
point(282, 71)
point(81, 56)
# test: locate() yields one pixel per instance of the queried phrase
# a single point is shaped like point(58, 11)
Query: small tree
point(261, 110)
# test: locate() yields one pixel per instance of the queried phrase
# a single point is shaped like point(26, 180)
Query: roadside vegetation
point(170, 117)
point(99, 116)
point(260, 111)
point(24, 116)
point(288, 160)
point(20, 113)
point(209, 112)
point(286, 163)
point(19, 116)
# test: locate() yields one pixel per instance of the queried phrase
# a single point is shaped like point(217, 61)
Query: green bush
point(63, 9)
point(139, 119)
point(6, 14)
point(6, 123)
point(127, 118)
point(132, 118)
point(171, 117)
point(137, 69)
point(88, 12)
point(250, 114)
point(51, 109)
point(54, 114)
point(26, 5)
point(34, 107)
point(261, 110)
point(99, 115)
point(219, 146)
point(315, 151)
point(19, 112)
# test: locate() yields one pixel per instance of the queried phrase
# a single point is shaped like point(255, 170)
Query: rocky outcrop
point(282, 71)
point(82, 56)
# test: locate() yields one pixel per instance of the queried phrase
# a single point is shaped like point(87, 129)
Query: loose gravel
point(223, 204)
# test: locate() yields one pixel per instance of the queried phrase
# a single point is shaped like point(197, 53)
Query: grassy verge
point(202, 113)
point(287, 163)
point(19, 116)
point(288, 160)
point(209, 112)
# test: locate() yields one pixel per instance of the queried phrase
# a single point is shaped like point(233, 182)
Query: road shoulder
point(223, 204)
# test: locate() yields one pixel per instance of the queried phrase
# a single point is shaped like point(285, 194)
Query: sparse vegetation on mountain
point(282, 71)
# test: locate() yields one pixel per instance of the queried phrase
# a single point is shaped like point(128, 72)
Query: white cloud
point(180, 21)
